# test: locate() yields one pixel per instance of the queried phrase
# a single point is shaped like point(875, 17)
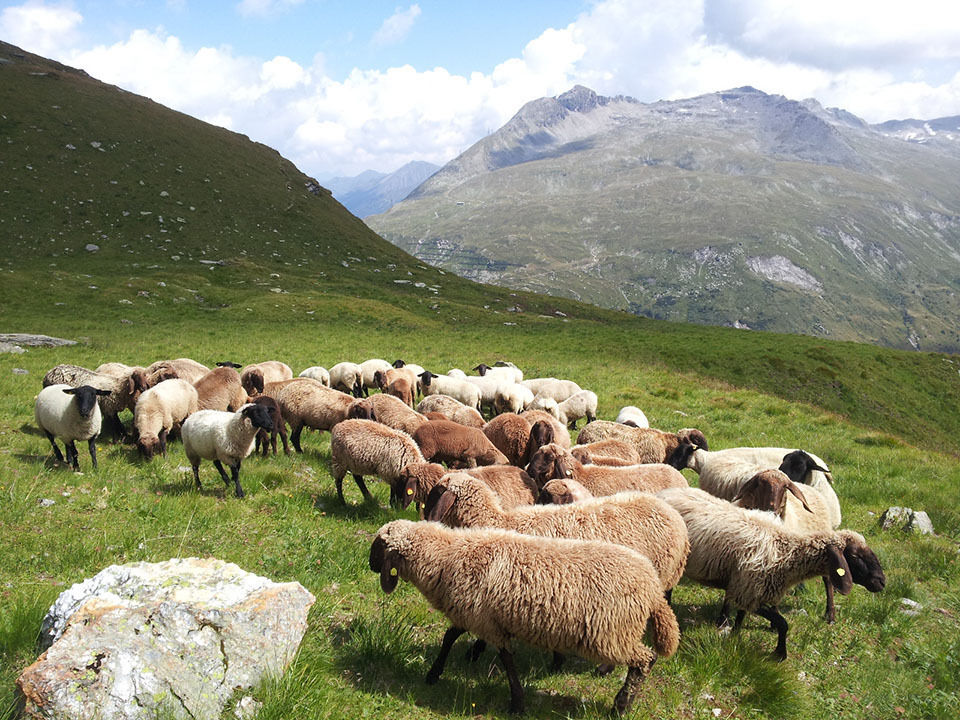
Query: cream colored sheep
point(610, 448)
point(632, 414)
point(554, 388)
point(511, 484)
point(452, 409)
point(587, 598)
point(366, 447)
point(318, 373)
point(307, 403)
point(562, 491)
point(368, 369)
point(458, 388)
point(347, 377)
point(123, 389)
point(71, 414)
point(253, 377)
point(185, 368)
point(159, 411)
point(654, 446)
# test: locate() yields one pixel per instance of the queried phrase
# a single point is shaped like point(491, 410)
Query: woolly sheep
point(559, 390)
point(754, 559)
point(413, 367)
point(510, 372)
point(366, 447)
point(386, 409)
point(70, 414)
point(347, 377)
point(452, 443)
point(221, 389)
point(124, 390)
point(403, 389)
point(459, 389)
point(654, 446)
point(592, 599)
point(453, 409)
point(510, 434)
point(562, 491)
point(547, 405)
point(369, 368)
point(632, 414)
point(552, 461)
point(159, 411)
point(610, 448)
point(253, 377)
point(317, 372)
point(224, 437)
point(511, 397)
point(488, 386)
point(553, 430)
point(511, 484)
point(580, 404)
point(137, 378)
point(456, 373)
point(185, 368)
point(807, 511)
point(307, 403)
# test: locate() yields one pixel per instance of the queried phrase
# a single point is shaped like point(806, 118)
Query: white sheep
point(159, 411)
point(70, 414)
point(224, 437)
point(456, 373)
point(551, 387)
point(124, 389)
point(457, 388)
point(366, 447)
point(369, 368)
point(512, 397)
point(509, 372)
point(254, 376)
point(588, 598)
point(317, 372)
point(580, 404)
point(347, 377)
point(754, 559)
point(632, 414)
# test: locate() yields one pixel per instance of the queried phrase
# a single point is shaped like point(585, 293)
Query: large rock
point(178, 636)
point(907, 519)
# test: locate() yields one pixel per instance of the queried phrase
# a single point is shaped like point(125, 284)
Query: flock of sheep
point(572, 548)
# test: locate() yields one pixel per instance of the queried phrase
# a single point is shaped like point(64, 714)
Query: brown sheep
point(552, 461)
point(254, 377)
point(610, 448)
point(307, 403)
point(279, 426)
point(653, 446)
point(511, 484)
point(452, 443)
point(510, 433)
point(220, 389)
point(386, 409)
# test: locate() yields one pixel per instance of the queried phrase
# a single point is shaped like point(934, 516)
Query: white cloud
point(40, 28)
point(396, 27)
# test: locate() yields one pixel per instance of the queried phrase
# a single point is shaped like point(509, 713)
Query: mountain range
point(736, 208)
point(372, 192)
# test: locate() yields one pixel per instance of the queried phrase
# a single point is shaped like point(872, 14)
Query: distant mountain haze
point(373, 192)
point(735, 208)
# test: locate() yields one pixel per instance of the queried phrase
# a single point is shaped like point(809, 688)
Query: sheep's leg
point(115, 427)
point(362, 486)
point(235, 476)
point(73, 457)
point(449, 637)
point(283, 436)
point(259, 446)
point(780, 624)
point(516, 689)
point(668, 595)
point(196, 474)
point(476, 650)
point(163, 442)
point(273, 441)
point(295, 437)
point(557, 662)
point(339, 482)
point(631, 684)
point(723, 619)
point(92, 445)
point(741, 614)
point(223, 473)
point(605, 669)
point(58, 456)
point(831, 613)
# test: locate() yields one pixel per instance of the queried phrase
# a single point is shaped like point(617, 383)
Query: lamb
point(654, 446)
point(386, 409)
point(808, 511)
point(754, 559)
point(450, 442)
point(124, 390)
point(402, 388)
point(459, 389)
point(185, 368)
point(224, 437)
point(253, 377)
point(318, 373)
point(512, 397)
point(279, 426)
point(453, 409)
point(552, 461)
point(368, 368)
point(70, 414)
point(221, 389)
point(632, 414)
point(592, 599)
point(611, 449)
point(347, 377)
point(511, 484)
point(366, 447)
point(558, 390)
point(159, 411)
point(580, 404)
point(510, 433)
point(307, 403)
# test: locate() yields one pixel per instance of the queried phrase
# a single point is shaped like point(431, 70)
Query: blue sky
point(341, 87)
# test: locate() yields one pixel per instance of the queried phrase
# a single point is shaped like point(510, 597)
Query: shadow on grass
point(355, 509)
point(186, 486)
point(28, 429)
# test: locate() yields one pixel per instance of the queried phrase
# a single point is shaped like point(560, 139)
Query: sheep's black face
point(865, 567)
point(681, 456)
point(258, 417)
point(541, 467)
point(398, 363)
point(86, 398)
point(148, 448)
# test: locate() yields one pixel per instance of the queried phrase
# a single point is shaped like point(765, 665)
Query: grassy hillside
point(323, 288)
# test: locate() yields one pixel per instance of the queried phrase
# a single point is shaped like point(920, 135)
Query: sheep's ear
point(388, 573)
point(104, 392)
point(398, 363)
point(409, 491)
point(377, 550)
point(799, 495)
point(70, 391)
point(442, 505)
point(840, 576)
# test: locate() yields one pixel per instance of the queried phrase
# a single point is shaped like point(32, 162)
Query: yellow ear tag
point(409, 491)
point(393, 571)
point(841, 572)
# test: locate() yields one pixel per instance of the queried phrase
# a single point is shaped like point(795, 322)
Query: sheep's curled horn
point(381, 561)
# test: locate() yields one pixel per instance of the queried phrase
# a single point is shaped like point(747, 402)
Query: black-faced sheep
point(654, 446)
point(70, 414)
point(124, 389)
point(279, 426)
point(511, 484)
point(552, 461)
point(366, 447)
point(458, 388)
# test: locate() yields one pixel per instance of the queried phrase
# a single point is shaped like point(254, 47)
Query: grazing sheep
point(456, 373)
point(221, 389)
point(403, 389)
point(610, 448)
point(654, 446)
point(808, 511)
point(512, 397)
point(632, 414)
point(366, 447)
point(452, 409)
point(510, 433)
point(70, 414)
point(488, 386)
point(386, 409)
point(279, 426)
point(804, 467)
point(416, 369)
point(452, 443)
point(137, 378)
point(510, 372)
point(589, 598)
point(552, 461)
point(457, 388)
point(558, 390)
point(552, 430)
point(124, 390)
point(369, 368)
point(753, 558)
point(511, 484)
point(562, 491)
point(224, 437)
point(580, 404)
point(159, 411)
point(185, 368)
point(347, 377)
point(253, 377)
point(307, 403)
point(318, 373)
point(547, 405)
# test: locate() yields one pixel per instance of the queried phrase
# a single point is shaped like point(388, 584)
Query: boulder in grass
point(907, 519)
point(176, 637)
